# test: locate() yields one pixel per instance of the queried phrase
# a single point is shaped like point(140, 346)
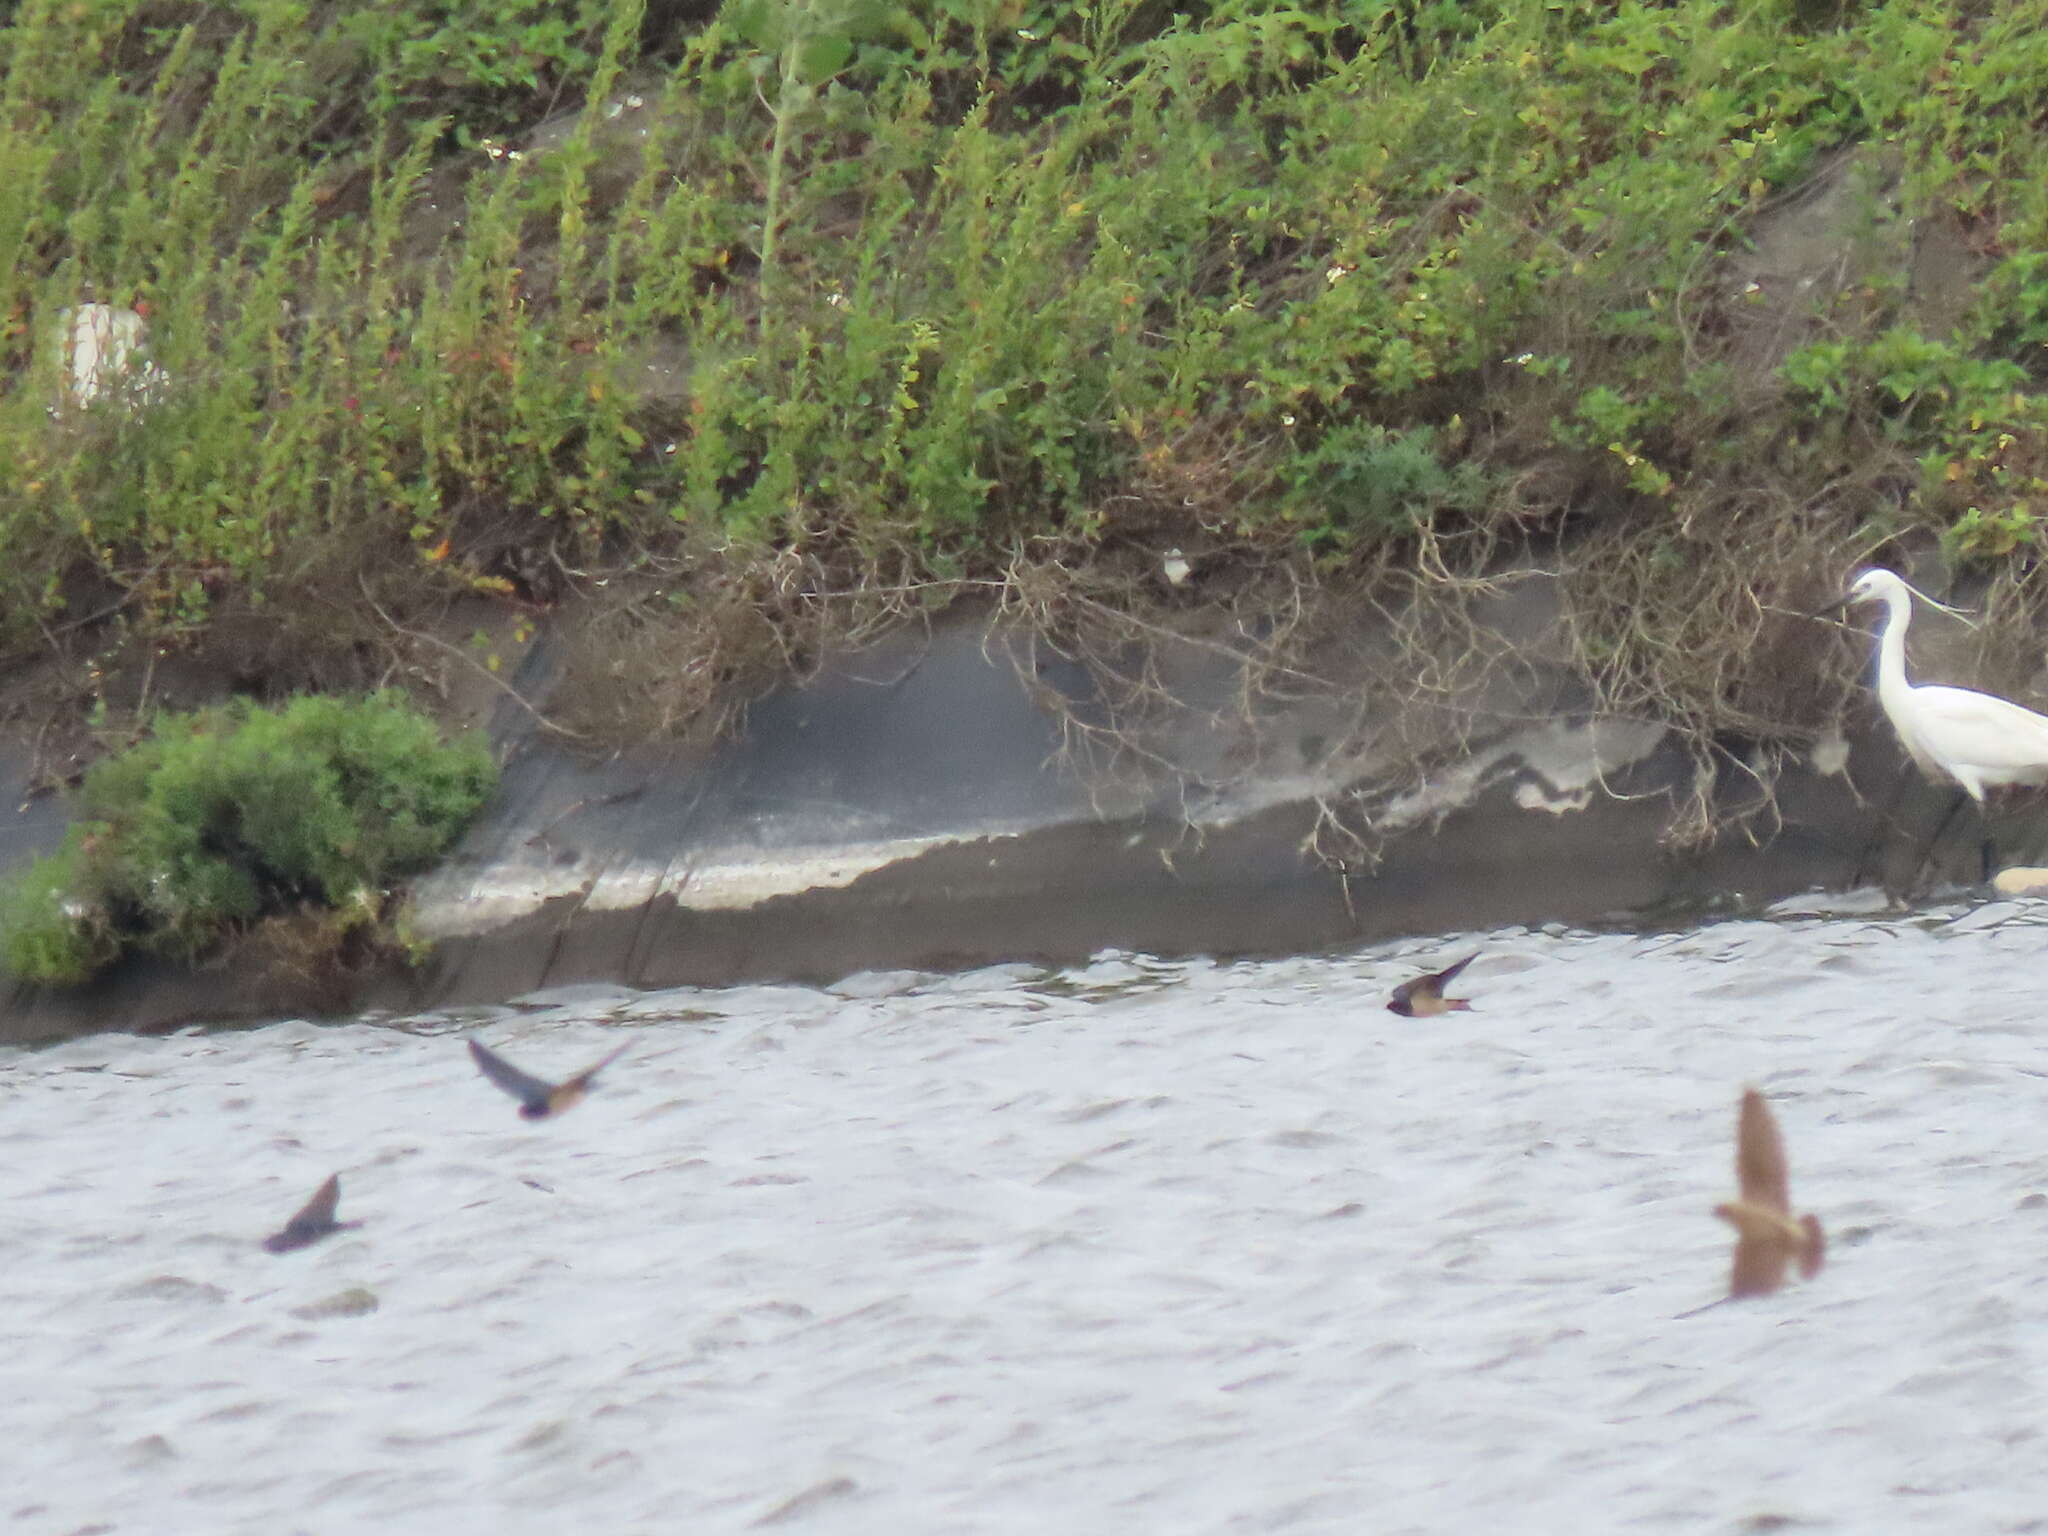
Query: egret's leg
point(1941, 830)
point(1987, 846)
point(1872, 860)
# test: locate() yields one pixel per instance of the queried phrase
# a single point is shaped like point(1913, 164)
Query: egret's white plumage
point(1976, 740)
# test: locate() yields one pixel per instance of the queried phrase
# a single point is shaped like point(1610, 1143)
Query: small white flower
point(1286, 420)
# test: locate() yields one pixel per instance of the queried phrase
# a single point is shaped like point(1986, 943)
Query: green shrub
point(1362, 481)
point(50, 934)
point(228, 815)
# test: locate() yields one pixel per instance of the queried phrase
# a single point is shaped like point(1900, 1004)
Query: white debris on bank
point(1565, 763)
point(1830, 755)
point(105, 353)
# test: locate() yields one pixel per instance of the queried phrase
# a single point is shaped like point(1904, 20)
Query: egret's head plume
point(1877, 583)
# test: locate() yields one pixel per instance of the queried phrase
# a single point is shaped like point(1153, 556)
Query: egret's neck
point(1891, 645)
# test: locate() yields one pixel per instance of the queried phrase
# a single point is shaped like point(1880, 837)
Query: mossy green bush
point(228, 815)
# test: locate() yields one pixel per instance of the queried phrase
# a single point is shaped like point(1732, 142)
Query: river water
point(1139, 1246)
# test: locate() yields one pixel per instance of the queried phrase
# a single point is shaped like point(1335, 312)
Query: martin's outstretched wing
point(527, 1090)
point(1760, 1157)
point(588, 1075)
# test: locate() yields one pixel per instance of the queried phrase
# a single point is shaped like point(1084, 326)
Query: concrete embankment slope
point(958, 795)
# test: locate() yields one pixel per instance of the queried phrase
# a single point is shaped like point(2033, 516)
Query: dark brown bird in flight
point(537, 1099)
point(1767, 1238)
point(314, 1220)
point(1424, 996)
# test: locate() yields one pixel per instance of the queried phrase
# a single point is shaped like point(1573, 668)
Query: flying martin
point(537, 1099)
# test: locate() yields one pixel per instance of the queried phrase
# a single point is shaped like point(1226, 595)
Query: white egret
point(1974, 740)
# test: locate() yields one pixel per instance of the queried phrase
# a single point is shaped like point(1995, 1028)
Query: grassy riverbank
point(739, 330)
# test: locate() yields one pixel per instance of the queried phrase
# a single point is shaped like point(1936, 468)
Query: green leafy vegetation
point(724, 316)
point(231, 815)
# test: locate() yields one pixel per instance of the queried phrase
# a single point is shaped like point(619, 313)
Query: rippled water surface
point(1137, 1247)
